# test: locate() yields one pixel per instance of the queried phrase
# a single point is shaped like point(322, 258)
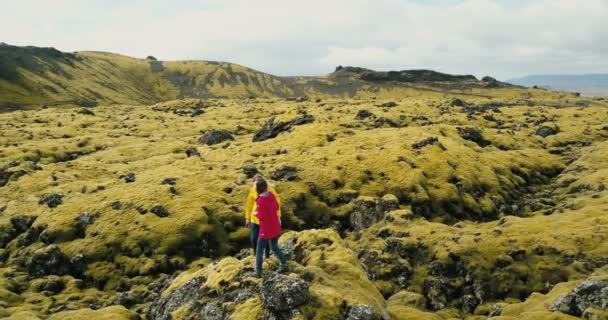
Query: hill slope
point(31, 76)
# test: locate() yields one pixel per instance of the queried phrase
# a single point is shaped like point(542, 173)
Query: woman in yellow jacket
point(251, 221)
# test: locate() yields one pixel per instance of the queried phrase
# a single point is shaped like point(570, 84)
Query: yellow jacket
point(251, 205)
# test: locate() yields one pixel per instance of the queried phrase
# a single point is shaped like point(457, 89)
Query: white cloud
point(497, 37)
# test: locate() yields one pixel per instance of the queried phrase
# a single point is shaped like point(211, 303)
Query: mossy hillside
point(85, 156)
point(32, 77)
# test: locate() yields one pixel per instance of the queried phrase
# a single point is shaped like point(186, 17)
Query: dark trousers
point(274, 244)
point(254, 230)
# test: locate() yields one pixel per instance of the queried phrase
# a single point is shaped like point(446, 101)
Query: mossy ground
point(454, 197)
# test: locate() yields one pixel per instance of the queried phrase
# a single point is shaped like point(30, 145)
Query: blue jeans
point(274, 244)
point(254, 230)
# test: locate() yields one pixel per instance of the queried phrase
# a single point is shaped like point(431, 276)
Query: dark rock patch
point(457, 103)
point(82, 221)
point(160, 211)
point(190, 293)
point(368, 211)
point(51, 200)
point(169, 181)
point(425, 142)
point(473, 134)
point(363, 114)
point(212, 137)
point(362, 312)
point(128, 178)
point(282, 293)
point(389, 104)
point(192, 152)
point(250, 171)
point(22, 223)
point(545, 131)
point(50, 260)
point(588, 294)
point(272, 129)
point(285, 173)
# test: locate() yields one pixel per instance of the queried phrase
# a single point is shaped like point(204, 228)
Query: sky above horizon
point(501, 38)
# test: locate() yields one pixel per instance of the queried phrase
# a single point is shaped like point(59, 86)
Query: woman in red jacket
point(270, 226)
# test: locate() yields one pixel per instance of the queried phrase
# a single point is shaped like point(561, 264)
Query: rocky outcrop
point(368, 211)
point(82, 221)
point(406, 76)
point(192, 152)
point(362, 312)
point(189, 293)
point(212, 137)
point(50, 260)
point(425, 142)
point(587, 295)
point(473, 134)
point(363, 114)
point(545, 131)
point(288, 173)
point(282, 294)
point(272, 129)
point(51, 200)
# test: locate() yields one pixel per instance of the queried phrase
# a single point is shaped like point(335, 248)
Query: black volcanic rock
point(425, 142)
point(588, 294)
point(282, 293)
point(473, 134)
point(51, 200)
point(272, 129)
point(212, 137)
point(406, 76)
point(545, 131)
point(363, 114)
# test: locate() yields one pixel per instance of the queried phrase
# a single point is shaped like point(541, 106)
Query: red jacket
point(267, 208)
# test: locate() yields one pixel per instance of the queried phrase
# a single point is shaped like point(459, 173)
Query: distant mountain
point(587, 84)
point(32, 76)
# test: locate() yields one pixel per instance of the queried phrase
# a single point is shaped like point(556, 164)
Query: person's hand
point(247, 223)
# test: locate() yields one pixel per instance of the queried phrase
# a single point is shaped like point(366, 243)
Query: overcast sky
point(502, 38)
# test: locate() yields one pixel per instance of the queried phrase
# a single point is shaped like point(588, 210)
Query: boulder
point(160, 211)
point(473, 134)
point(545, 131)
point(82, 221)
point(192, 152)
point(213, 311)
point(190, 293)
point(272, 129)
point(250, 171)
point(457, 103)
point(212, 137)
point(363, 114)
point(22, 223)
point(51, 200)
point(588, 294)
point(283, 293)
point(7, 234)
point(128, 178)
point(285, 173)
point(425, 142)
point(48, 260)
point(389, 104)
point(368, 211)
point(362, 312)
